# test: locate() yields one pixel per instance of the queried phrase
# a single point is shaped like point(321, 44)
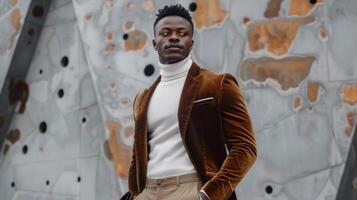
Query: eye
point(164, 33)
point(182, 34)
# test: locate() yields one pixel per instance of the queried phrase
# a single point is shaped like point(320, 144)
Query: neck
point(175, 70)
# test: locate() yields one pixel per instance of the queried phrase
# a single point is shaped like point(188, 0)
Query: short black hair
point(174, 10)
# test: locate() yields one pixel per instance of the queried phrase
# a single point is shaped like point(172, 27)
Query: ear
point(154, 44)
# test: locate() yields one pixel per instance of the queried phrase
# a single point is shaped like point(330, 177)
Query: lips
point(174, 46)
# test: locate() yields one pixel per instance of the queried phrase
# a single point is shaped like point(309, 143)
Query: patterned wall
point(294, 60)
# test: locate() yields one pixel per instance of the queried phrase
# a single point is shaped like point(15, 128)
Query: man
point(193, 135)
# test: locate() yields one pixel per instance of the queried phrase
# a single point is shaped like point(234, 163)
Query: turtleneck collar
point(174, 71)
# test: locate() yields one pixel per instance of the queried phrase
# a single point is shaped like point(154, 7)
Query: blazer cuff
point(205, 193)
point(217, 190)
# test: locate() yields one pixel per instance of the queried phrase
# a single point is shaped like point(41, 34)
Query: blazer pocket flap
point(204, 100)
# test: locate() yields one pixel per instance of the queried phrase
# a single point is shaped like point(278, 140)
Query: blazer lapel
point(141, 146)
point(188, 95)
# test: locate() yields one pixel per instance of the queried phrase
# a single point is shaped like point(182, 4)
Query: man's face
point(173, 39)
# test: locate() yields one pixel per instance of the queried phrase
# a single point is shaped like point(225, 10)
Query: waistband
point(170, 181)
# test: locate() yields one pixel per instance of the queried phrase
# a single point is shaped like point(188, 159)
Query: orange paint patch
point(15, 19)
point(302, 7)
point(312, 91)
point(135, 41)
point(273, 9)
point(147, 5)
point(350, 118)
point(110, 47)
point(215, 17)
point(120, 152)
point(323, 32)
point(349, 94)
point(13, 136)
point(109, 36)
point(298, 103)
point(275, 35)
point(288, 72)
point(19, 93)
point(13, 2)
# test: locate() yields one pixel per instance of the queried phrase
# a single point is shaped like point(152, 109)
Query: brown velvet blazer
point(216, 132)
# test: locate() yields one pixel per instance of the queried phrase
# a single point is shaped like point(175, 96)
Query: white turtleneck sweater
point(167, 156)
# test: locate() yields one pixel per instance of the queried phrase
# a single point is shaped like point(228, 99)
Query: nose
point(174, 38)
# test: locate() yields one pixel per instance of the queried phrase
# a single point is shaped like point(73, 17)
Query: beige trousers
point(185, 187)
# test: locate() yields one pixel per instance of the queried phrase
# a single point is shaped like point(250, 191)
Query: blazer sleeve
point(239, 139)
point(132, 181)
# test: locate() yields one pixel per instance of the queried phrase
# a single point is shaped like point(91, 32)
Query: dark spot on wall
point(149, 70)
point(84, 120)
point(125, 36)
point(40, 71)
point(79, 179)
point(12, 184)
point(269, 189)
point(60, 93)
point(47, 182)
point(64, 61)
point(313, 2)
point(25, 149)
point(31, 32)
point(193, 7)
point(18, 92)
point(13, 136)
point(38, 11)
point(42, 127)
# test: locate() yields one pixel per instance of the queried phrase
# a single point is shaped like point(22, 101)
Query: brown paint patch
point(107, 151)
point(15, 19)
point(348, 131)
point(6, 149)
point(288, 72)
point(121, 153)
point(147, 5)
point(302, 7)
point(109, 36)
point(209, 13)
point(110, 47)
point(88, 17)
point(298, 103)
point(273, 9)
point(275, 35)
point(349, 94)
point(124, 102)
point(246, 20)
point(135, 41)
point(312, 91)
point(323, 32)
point(13, 2)
point(19, 93)
point(128, 25)
point(13, 136)
point(2, 120)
